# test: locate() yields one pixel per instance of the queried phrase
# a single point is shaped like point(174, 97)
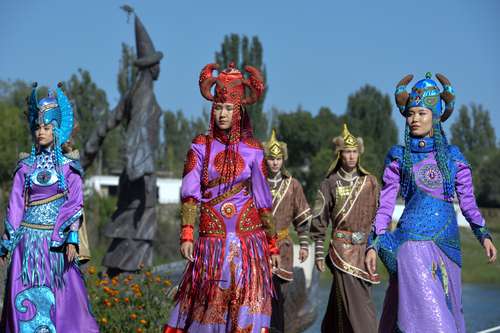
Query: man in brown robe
point(289, 207)
point(347, 198)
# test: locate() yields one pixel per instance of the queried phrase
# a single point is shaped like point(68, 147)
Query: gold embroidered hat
point(347, 141)
point(274, 148)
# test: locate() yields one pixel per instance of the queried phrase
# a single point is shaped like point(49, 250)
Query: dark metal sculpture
point(133, 224)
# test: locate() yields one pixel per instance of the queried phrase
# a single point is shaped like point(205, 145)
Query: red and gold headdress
point(230, 88)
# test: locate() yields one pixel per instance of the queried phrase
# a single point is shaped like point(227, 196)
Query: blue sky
point(316, 52)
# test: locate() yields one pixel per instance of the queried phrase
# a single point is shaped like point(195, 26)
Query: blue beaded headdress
point(426, 93)
point(55, 110)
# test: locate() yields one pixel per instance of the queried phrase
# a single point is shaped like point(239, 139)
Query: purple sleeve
point(388, 196)
point(191, 181)
point(465, 194)
point(15, 208)
point(71, 210)
point(260, 188)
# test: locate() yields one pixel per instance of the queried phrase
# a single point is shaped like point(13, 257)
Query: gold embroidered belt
point(37, 226)
point(228, 194)
point(282, 234)
point(349, 237)
point(47, 200)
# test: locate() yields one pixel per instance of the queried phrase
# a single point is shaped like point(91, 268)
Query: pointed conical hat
point(146, 53)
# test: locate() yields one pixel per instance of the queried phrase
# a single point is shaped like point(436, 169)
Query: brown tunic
point(350, 206)
point(289, 206)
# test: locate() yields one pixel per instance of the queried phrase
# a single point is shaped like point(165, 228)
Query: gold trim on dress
point(283, 234)
point(188, 213)
point(280, 195)
point(343, 213)
point(47, 200)
point(228, 194)
point(37, 226)
point(345, 267)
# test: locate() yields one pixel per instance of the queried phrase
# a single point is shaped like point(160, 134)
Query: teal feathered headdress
point(56, 110)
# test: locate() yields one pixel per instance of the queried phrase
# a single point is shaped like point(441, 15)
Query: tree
point(127, 71)
point(243, 51)
point(178, 132)
point(177, 139)
point(474, 134)
point(488, 183)
point(297, 129)
point(15, 136)
point(368, 115)
point(91, 106)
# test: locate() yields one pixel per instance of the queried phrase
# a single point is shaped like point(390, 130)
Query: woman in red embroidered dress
point(227, 285)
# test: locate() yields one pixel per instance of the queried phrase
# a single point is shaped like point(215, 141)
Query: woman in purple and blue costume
point(227, 284)
point(45, 291)
point(422, 254)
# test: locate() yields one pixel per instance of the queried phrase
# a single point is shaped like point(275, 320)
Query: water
point(481, 305)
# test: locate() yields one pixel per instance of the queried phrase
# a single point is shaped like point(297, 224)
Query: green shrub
point(139, 303)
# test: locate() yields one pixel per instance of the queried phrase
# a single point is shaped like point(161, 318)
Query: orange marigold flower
point(92, 270)
point(158, 279)
point(133, 316)
point(142, 321)
point(104, 321)
point(167, 283)
point(107, 303)
point(148, 274)
point(126, 300)
point(139, 330)
point(116, 300)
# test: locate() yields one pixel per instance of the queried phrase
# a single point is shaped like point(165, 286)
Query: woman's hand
point(71, 253)
point(276, 261)
point(187, 250)
point(303, 254)
point(491, 251)
point(371, 261)
point(320, 265)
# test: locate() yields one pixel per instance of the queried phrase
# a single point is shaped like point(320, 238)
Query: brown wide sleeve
point(321, 217)
point(301, 214)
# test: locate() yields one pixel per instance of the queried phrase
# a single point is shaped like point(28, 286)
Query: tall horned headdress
point(231, 86)
point(426, 93)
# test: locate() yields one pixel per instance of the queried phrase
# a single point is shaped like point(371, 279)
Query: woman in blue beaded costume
point(422, 254)
point(45, 292)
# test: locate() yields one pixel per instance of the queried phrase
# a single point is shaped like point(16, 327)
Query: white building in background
point(168, 188)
